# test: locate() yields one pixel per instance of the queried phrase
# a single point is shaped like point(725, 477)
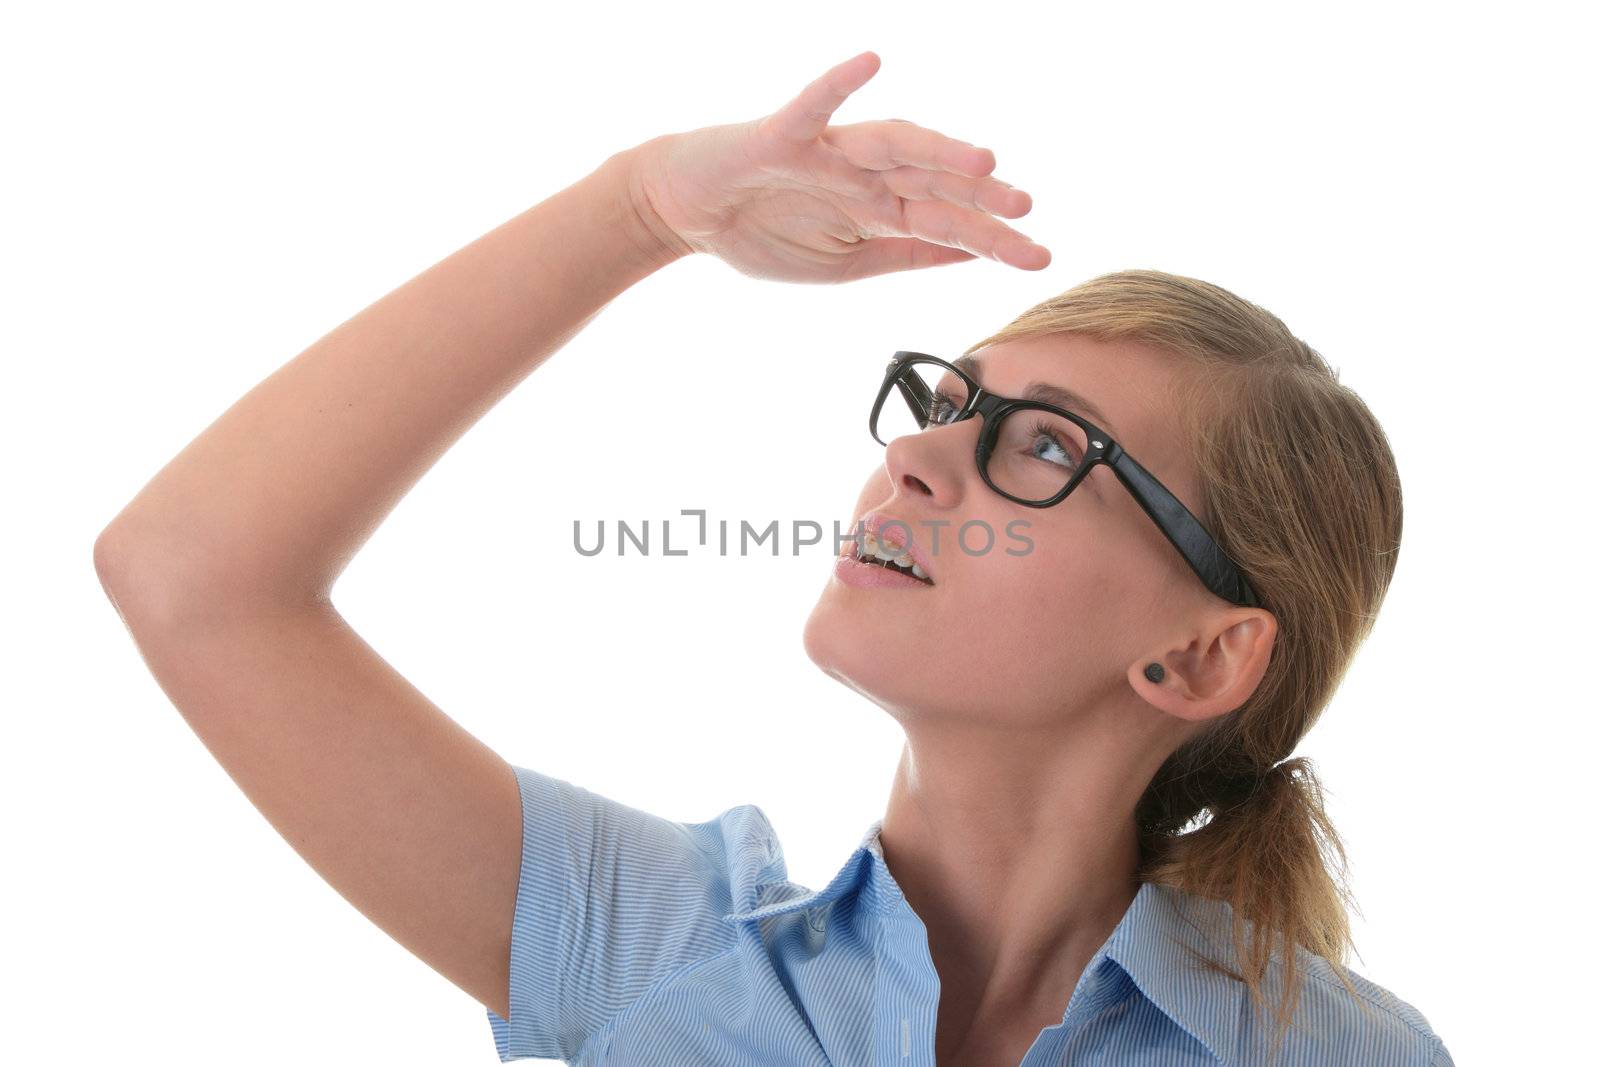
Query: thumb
point(803, 119)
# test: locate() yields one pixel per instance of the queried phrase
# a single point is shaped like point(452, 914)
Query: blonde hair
point(1299, 486)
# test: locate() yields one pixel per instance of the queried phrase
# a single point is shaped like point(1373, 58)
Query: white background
point(194, 194)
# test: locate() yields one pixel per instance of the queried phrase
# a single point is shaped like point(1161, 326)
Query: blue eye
point(1045, 444)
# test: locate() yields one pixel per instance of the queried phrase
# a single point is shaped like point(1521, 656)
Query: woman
point(1096, 848)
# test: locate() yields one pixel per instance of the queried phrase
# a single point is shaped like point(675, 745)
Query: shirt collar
point(1159, 941)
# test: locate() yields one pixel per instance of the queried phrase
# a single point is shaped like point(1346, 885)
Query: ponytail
point(1269, 850)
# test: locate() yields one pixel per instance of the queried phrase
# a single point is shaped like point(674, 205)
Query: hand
point(788, 197)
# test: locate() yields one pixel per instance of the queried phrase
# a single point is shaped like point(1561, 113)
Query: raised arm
point(221, 568)
point(222, 565)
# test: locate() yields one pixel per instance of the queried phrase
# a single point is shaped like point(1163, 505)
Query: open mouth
point(870, 550)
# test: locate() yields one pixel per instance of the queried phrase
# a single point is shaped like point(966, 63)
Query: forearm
point(264, 509)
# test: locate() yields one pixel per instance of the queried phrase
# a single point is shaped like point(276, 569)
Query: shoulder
point(1363, 1022)
point(745, 850)
point(1366, 1022)
point(737, 848)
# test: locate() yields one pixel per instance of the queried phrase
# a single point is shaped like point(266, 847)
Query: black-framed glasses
point(1036, 454)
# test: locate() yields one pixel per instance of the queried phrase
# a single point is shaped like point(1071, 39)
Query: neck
point(1018, 851)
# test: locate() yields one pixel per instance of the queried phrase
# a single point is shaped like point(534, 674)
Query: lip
point(874, 522)
point(852, 571)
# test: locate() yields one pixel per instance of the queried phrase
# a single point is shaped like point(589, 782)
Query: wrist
point(656, 241)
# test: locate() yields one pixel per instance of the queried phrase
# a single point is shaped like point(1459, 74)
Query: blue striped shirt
point(642, 941)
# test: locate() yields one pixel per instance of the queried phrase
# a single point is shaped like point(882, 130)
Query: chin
point(875, 661)
point(838, 641)
point(822, 633)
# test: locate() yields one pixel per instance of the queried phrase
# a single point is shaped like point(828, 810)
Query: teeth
point(871, 548)
point(901, 561)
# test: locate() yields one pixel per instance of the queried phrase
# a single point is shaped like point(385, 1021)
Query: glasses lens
point(923, 396)
point(1036, 453)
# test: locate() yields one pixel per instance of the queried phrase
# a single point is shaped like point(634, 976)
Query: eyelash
point(940, 403)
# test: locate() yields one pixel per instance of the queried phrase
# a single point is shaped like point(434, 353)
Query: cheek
point(1041, 613)
point(1024, 597)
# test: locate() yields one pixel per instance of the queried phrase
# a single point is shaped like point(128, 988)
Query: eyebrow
point(1046, 393)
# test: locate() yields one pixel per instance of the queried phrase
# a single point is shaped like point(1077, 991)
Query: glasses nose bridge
point(987, 405)
point(982, 402)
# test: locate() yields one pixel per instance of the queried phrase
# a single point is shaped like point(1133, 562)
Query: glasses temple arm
point(1219, 573)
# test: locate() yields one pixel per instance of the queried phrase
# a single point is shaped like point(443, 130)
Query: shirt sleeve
point(610, 900)
point(1441, 1055)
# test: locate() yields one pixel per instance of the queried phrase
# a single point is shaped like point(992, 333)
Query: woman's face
point(1092, 591)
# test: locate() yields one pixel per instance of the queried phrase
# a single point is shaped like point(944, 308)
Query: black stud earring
point(1155, 672)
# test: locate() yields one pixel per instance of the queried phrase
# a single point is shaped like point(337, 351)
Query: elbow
point(133, 580)
point(158, 585)
point(108, 556)
point(113, 562)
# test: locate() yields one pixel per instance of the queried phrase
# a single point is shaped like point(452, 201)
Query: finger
point(890, 143)
point(981, 194)
point(884, 255)
point(804, 118)
point(947, 224)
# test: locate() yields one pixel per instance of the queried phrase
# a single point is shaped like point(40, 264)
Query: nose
point(935, 463)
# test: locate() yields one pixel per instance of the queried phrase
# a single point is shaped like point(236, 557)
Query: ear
point(1215, 670)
